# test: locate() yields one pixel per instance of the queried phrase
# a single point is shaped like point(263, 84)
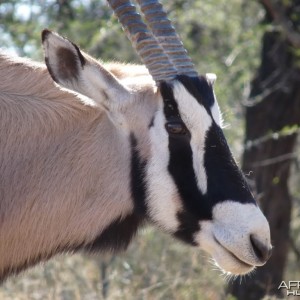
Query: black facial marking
point(171, 111)
point(224, 179)
point(170, 105)
point(188, 226)
point(181, 160)
point(181, 169)
point(137, 176)
point(200, 89)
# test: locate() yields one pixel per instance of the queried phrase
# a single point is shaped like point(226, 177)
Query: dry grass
point(154, 267)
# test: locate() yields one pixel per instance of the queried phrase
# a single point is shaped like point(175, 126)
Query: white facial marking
point(162, 192)
point(227, 237)
point(198, 121)
point(215, 111)
point(211, 78)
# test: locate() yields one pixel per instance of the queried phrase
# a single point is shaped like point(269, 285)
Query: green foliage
point(87, 23)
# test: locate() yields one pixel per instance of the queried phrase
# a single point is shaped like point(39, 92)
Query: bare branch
point(280, 18)
point(286, 131)
point(261, 97)
point(283, 84)
point(276, 160)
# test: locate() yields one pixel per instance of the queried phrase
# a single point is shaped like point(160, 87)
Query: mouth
point(237, 260)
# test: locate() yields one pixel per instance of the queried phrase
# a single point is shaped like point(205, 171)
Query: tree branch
point(277, 13)
point(276, 160)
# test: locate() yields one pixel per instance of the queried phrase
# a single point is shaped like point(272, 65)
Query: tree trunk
point(272, 122)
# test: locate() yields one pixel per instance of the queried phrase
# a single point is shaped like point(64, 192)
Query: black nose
point(261, 250)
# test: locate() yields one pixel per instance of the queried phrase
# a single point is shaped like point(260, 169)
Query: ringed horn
point(160, 49)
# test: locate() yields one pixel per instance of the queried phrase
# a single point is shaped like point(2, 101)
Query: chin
point(231, 258)
point(233, 266)
point(229, 262)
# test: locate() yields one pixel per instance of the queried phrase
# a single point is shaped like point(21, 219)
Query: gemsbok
point(88, 160)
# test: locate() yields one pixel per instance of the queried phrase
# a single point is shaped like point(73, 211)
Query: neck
point(56, 171)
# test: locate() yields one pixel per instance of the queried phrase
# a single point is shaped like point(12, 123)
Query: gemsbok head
point(87, 161)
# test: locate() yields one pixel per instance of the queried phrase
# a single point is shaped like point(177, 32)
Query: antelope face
point(196, 191)
point(183, 176)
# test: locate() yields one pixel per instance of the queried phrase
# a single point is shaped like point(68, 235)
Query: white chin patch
point(227, 237)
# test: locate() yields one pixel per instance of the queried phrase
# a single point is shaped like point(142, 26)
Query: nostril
point(261, 250)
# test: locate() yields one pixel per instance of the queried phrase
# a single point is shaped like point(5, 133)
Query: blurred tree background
point(272, 127)
point(254, 48)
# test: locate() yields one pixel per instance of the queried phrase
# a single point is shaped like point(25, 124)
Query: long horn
point(142, 39)
point(167, 37)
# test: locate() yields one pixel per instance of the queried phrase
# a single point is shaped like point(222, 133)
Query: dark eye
point(176, 128)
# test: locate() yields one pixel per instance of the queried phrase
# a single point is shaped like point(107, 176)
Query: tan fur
point(60, 178)
point(134, 76)
point(121, 70)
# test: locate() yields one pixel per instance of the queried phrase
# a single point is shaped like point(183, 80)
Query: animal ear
point(77, 71)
